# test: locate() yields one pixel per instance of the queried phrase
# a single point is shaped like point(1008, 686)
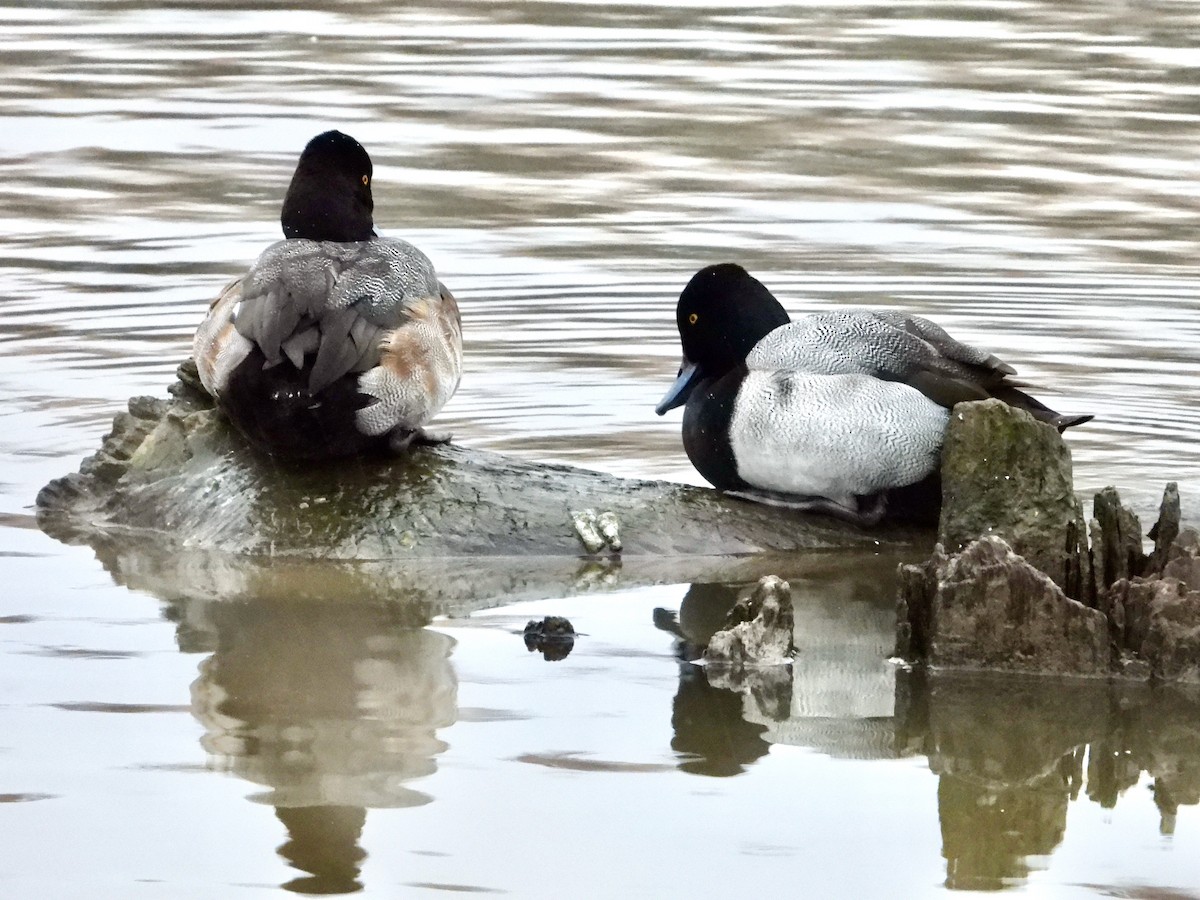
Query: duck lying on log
point(833, 413)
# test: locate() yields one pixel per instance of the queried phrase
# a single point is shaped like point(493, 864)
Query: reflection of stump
point(1007, 753)
point(1166, 743)
point(1010, 754)
point(1110, 771)
point(1003, 733)
point(987, 833)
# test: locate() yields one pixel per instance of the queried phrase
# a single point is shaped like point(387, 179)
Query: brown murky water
point(1023, 172)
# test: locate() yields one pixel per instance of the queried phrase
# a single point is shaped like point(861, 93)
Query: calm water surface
point(1023, 172)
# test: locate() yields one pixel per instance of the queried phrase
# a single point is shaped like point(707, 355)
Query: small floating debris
point(553, 637)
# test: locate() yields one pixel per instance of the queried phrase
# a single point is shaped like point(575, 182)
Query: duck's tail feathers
point(1036, 408)
point(277, 412)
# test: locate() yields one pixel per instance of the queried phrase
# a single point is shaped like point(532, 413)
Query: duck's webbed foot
point(431, 436)
point(864, 511)
point(400, 439)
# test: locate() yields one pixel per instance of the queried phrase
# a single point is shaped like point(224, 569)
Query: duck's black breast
point(706, 421)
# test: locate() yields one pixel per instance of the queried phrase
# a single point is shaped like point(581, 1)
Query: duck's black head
point(722, 313)
point(329, 198)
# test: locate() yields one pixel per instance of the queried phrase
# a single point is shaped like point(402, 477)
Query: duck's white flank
point(833, 436)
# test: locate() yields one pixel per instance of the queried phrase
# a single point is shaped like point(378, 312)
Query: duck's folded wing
point(339, 300)
point(943, 368)
point(419, 367)
point(947, 347)
point(288, 283)
point(217, 347)
point(890, 346)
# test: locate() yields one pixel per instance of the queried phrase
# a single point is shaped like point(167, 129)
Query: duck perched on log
point(337, 341)
point(829, 413)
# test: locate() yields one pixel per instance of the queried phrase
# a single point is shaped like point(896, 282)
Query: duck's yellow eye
point(692, 319)
point(366, 180)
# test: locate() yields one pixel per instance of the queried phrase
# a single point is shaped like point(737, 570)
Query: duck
point(337, 342)
point(833, 413)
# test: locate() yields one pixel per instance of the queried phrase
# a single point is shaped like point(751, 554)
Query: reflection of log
point(418, 589)
point(173, 477)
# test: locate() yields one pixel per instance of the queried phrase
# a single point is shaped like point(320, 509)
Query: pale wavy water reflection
point(1011, 754)
point(339, 708)
point(1024, 172)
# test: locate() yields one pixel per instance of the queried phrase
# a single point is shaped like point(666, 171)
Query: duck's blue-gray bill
point(681, 389)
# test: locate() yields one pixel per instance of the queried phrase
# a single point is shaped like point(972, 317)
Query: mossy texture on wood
point(1008, 475)
point(1001, 588)
point(988, 608)
point(176, 472)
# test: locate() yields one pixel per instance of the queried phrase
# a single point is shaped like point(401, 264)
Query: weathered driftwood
point(174, 468)
point(989, 608)
point(1013, 584)
point(175, 501)
point(1008, 475)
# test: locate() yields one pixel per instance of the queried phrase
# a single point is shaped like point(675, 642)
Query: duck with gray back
point(839, 413)
point(337, 341)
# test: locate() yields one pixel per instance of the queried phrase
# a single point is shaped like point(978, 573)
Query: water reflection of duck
point(825, 414)
point(702, 612)
point(837, 696)
point(333, 706)
point(336, 341)
point(323, 842)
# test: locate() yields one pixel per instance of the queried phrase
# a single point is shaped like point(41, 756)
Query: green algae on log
point(1005, 474)
point(175, 472)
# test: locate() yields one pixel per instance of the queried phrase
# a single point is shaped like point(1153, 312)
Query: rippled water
point(1023, 172)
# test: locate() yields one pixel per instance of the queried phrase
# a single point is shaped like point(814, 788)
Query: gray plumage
point(826, 413)
point(337, 298)
point(890, 345)
point(336, 342)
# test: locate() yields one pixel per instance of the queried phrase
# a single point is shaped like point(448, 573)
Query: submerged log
point(175, 490)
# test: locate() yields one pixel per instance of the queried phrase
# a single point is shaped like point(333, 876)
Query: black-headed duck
point(829, 413)
point(337, 341)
